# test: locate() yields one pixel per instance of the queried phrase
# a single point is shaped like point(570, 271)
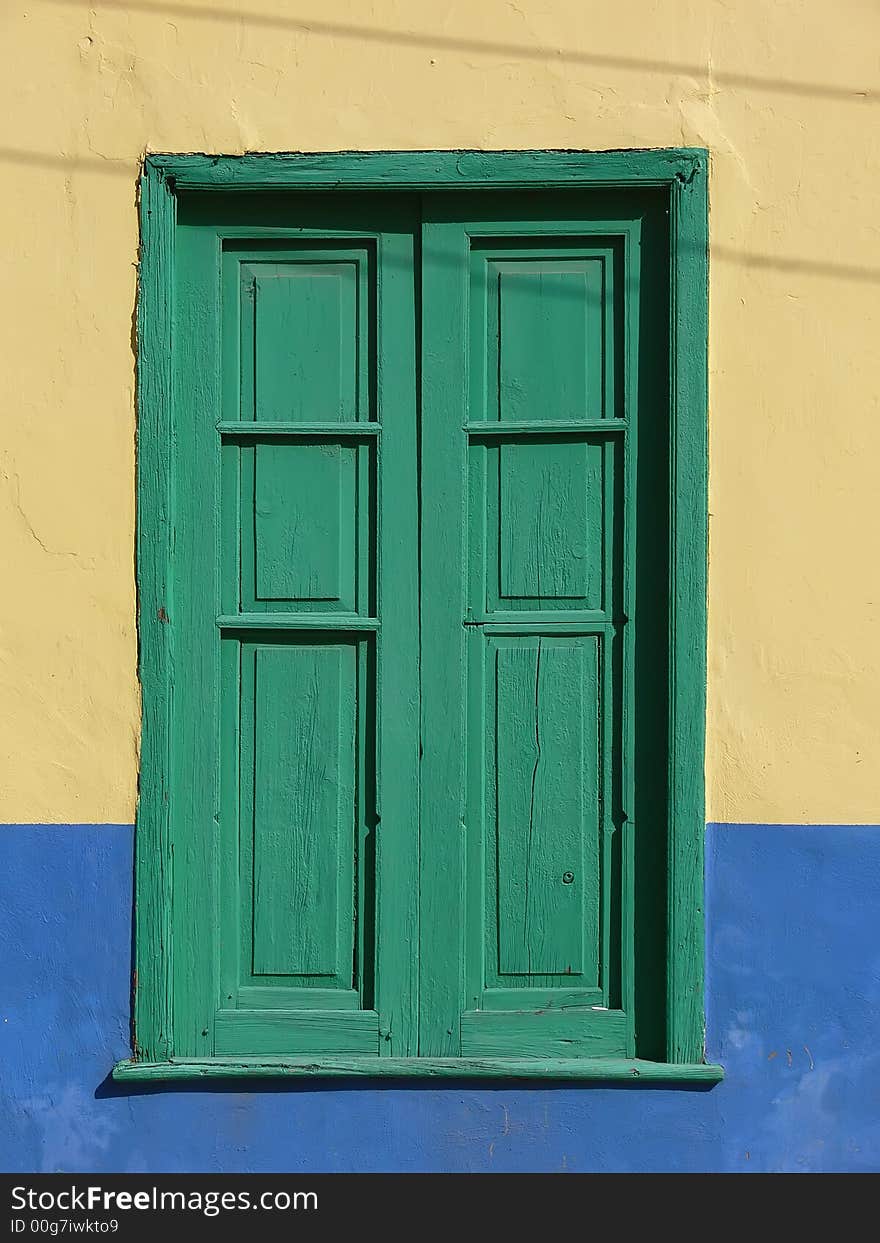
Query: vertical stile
point(196, 573)
point(444, 402)
point(153, 988)
point(688, 281)
point(629, 826)
point(363, 911)
point(397, 831)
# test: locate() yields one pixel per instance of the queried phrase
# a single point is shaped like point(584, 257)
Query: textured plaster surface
point(787, 98)
point(793, 973)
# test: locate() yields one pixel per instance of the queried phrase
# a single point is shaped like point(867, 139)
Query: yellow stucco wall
point(787, 98)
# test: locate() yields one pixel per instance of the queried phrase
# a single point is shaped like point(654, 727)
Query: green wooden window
point(421, 563)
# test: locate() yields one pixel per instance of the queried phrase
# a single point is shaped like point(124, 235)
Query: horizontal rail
point(539, 627)
point(296, 621)
point(536, 427)
point(251, 429)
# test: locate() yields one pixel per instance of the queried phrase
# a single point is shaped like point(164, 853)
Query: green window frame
point(676, 1043)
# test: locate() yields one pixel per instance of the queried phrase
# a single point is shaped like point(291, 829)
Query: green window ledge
point(597, 1069)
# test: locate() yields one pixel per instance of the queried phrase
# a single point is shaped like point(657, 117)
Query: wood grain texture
point(550, 523)
point(152, 990)
point(548, 359)
point(546, 783)
point(304, 713)
point(396, 815)
point(345, 623)
point(239, 1032)
point(688, 525)
point(305, 328)
point(304, 534)
point(195, 798)
point(552, 1034)
point(340, 432)
point(588, 1069)
point(524, 428)
point(261, 996)
point(305, 339)
point(443, 832)
point(426, 170)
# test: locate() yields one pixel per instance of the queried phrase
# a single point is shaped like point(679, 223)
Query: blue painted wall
point(793, 1011)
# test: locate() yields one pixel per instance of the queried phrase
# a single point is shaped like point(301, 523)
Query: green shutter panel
point(296, 614)
point(531, 398)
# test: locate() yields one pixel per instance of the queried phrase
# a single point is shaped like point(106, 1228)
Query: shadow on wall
point(453, 43)
point(109, 1087)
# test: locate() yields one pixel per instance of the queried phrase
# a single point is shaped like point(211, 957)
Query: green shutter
point(297, 666)
point(533, 397)
point(419, 602)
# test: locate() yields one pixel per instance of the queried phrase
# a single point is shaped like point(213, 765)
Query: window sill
point(597, 1069)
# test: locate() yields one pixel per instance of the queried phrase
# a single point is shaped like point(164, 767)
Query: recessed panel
point(550, 513)
point(305, 522)
point(301, 704)
point(549, 340)
point(541, 524)
point(305, 338)
point(544, 792)
point(303, 511)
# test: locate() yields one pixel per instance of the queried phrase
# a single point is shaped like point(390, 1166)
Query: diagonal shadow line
point(519, 51)
point(812, 267)
point(73, 163)
point(747, 259)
